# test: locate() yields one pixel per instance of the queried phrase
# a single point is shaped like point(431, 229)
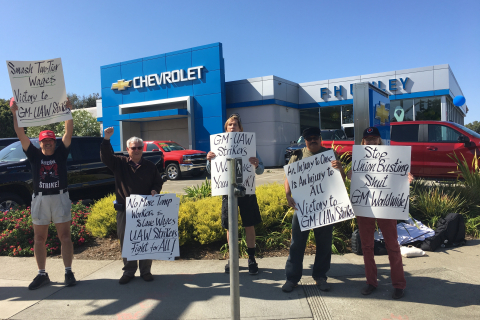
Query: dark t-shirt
point(49, 172)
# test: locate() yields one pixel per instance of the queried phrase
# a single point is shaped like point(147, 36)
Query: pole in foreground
point(235, 190)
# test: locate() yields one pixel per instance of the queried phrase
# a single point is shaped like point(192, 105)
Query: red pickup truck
point(432, 142)
point(178, 161)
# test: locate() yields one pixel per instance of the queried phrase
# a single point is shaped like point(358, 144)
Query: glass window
point(440, 133)
point(350, 132)
point(401, 110)
point(330, 117)
point(405, 133)
point(170, 146)
point(308, 118)
point(428, 109)
point(347, 114)
point(152, 146)
point(12, 153)
point(473, 133)
point(89, 149)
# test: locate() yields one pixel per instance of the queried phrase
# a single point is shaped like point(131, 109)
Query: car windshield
point(300, 140)
point(14, 152)
point(473, 133)
point(170, 146)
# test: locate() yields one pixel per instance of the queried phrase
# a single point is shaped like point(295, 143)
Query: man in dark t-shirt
point(50, 199)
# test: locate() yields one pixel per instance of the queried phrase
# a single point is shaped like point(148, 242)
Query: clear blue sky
point(300, 41)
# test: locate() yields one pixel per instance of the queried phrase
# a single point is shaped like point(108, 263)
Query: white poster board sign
point(232, 145)
point(151, 230)
point(39, 90)
point(319, 191)
point(380, 186)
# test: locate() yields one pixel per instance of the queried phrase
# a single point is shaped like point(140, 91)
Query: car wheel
point(173, 171)
point(10, 200)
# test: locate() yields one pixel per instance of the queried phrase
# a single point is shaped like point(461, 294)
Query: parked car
point(6, 141)
point(88, 177)
point(432, 142)
point(179, 161)
point(334, 139)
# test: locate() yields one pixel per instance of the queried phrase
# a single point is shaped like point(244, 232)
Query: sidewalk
point(444, 285)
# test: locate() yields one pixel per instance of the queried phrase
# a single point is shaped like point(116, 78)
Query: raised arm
point(67, 137)
point(106, 150)
point(18, 130)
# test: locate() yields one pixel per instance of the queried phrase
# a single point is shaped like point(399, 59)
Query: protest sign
point(151, 230)
point(319, 191)
point(232, 145)
point(39, 91)
point(380, 186)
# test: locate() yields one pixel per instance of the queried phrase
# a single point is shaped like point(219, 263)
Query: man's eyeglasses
point(136, 148)
point(312, 138)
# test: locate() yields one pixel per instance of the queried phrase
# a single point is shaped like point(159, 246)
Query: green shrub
point(187, 218)
point(208, 226)
point(272, 203)
point(16, 231)
point(198, 192)
point(102, 221)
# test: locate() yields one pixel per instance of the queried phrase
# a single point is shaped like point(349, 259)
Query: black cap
point(312, 131)
point(371, 132)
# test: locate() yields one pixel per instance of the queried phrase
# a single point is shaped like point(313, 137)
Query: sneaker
point(289, 286)
point(148, 277)
point(39, 281)
point(70, 279)
point(252, 267)
point(368, 290)
point(322, 284)
point(227, 267)
point(125, 279)
point(398, 293)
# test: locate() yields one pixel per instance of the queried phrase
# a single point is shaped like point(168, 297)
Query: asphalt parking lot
point(178, 186)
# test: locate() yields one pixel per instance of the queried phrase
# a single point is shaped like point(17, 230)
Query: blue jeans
point(323, 256)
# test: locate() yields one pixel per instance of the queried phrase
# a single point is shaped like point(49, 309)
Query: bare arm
point(19, 131)
point(67, 137)
point(288, 193)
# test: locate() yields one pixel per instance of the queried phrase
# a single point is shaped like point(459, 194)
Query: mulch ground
point(109, 249)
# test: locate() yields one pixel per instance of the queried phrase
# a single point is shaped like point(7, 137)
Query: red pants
point(388, 227)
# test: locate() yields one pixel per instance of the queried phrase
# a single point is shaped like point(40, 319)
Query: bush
point(208, 226)
point(273, 205)
point(198, 192)
point(187, 214)
point(102, 221)
point(16, 237)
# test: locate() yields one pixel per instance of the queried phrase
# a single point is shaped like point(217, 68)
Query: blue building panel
point(208, 92)
point(204, 127)
point(179, 61)
point(110, 75)
point(211, 82)
point(209, 58)
point(111, 98)
point(208, 105)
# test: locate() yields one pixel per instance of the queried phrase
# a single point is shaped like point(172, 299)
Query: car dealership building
point(182, 96)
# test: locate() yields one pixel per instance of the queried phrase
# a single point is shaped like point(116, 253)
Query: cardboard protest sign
point(319, 191)
point(380, 186)
point(232, 145)
point(39, 89)
point(151, 230)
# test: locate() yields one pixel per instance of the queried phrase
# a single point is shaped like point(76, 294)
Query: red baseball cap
point(46, 134)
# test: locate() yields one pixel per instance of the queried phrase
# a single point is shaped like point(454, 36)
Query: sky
point(300, 41)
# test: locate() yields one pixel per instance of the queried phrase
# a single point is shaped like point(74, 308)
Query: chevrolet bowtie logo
point(382, 113)
point(121, 85)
